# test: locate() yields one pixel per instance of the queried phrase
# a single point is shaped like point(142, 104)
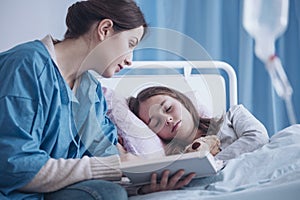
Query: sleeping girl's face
point(167, 117)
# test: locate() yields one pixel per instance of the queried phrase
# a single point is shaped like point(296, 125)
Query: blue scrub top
point(41, 117)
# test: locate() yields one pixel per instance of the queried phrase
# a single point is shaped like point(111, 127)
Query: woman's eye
point(131, 45)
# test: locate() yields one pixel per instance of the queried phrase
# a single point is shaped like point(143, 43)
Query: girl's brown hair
point(207, 126)
point(81, 15)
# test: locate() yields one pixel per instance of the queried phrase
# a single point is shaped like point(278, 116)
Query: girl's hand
point(166, 183)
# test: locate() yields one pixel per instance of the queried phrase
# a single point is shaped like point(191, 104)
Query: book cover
point(139, 171)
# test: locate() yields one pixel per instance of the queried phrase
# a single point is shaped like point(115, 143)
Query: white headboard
point(215, 80)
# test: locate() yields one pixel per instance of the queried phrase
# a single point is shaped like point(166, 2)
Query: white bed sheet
point(272, 172)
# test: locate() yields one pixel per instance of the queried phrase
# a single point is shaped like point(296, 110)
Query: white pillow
point(137, 137)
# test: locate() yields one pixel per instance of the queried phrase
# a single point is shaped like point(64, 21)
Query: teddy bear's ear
point(205, 144)
point(196, 145)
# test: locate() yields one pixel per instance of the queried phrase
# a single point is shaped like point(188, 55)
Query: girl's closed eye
point(155, 125)
point(169, 108)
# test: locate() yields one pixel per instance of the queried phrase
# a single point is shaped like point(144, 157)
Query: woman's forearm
point(59, 173)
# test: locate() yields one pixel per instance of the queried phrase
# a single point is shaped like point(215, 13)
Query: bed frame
point(215, 80)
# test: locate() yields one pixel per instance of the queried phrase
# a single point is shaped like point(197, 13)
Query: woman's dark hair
point(208, 126)
point(125, 15)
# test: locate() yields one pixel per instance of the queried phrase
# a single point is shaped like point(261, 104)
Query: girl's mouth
point(176, 126)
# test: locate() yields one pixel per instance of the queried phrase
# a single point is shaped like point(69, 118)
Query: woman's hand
point(166, 183)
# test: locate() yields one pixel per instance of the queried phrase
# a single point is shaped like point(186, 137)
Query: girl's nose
point(169, 120)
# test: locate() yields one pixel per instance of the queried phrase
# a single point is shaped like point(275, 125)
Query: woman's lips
point(120, 66)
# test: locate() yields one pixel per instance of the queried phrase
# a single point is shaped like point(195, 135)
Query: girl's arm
point(240, 133)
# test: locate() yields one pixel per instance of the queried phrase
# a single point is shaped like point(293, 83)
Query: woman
point(173, 117)
point(56, 140)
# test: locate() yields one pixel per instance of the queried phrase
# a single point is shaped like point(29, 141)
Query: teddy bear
point(210, 143)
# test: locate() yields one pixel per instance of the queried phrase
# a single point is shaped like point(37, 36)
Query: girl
point(173, 117)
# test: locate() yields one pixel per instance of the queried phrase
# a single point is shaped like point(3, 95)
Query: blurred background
point(216, 25)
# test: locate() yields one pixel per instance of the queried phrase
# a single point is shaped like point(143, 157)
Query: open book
point(139, 171)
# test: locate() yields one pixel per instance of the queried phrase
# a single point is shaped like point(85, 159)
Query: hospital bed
point(272, 172)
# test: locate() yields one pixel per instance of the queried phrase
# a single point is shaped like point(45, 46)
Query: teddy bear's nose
point(195, 145)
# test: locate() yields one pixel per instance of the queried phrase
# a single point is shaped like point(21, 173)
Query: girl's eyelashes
point(168, 108)
point(154, 125)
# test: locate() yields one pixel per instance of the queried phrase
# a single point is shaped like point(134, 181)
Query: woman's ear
point(105, 29)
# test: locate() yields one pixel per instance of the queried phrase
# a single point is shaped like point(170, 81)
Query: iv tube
point(281, 84)
point(265, 21)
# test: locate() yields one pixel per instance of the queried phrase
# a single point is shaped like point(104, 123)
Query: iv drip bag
point(265, 21)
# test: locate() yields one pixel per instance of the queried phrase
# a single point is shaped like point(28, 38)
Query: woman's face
point(116, 51)
point(167, 117)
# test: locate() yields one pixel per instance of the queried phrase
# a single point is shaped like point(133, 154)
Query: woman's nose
point(127, 62)
point(128, 59)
